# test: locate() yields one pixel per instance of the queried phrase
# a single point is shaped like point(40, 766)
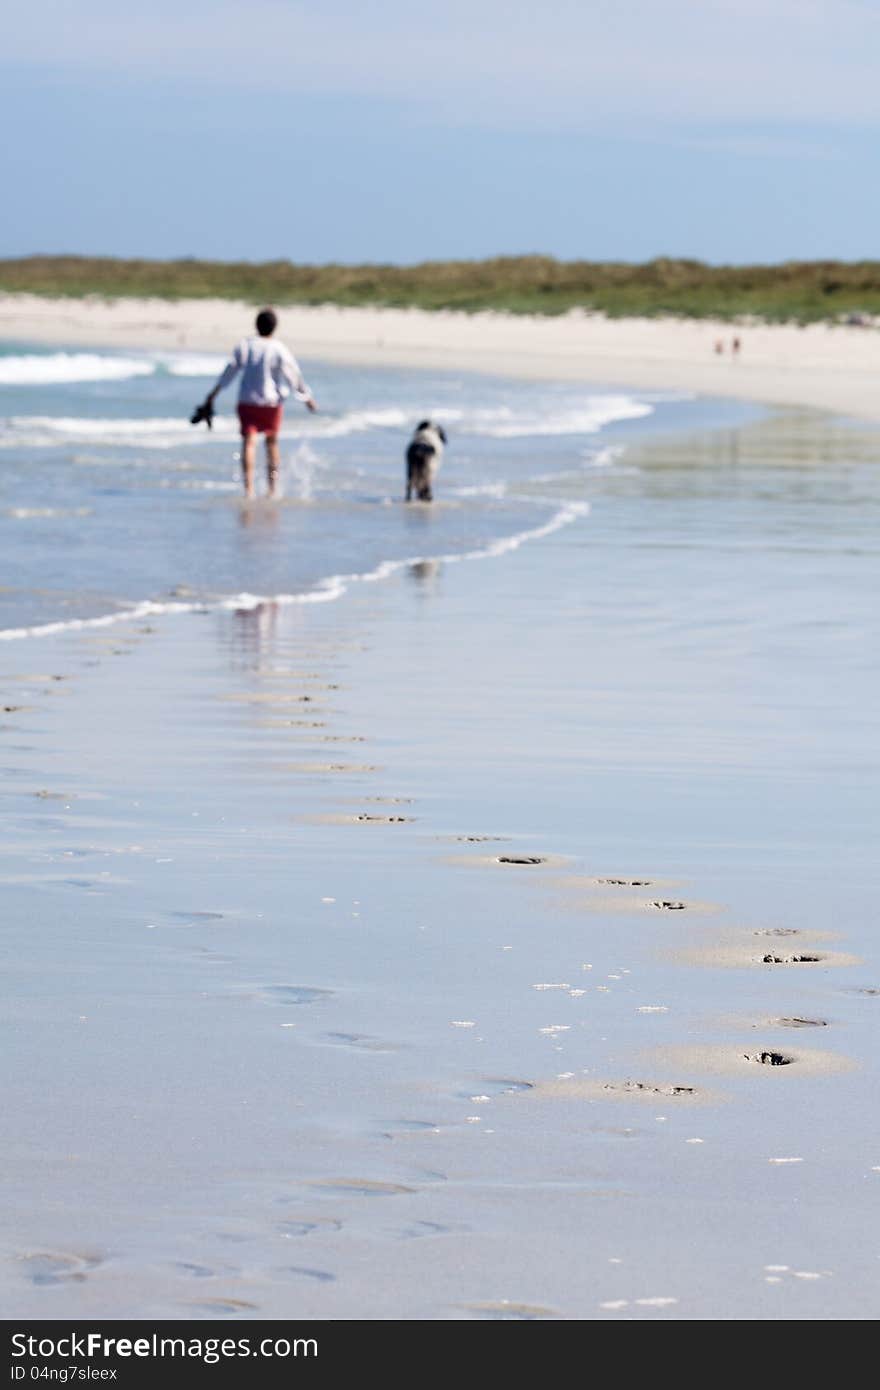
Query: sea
point(113, 504)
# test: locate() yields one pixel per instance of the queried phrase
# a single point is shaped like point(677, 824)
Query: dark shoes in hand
point(205, 412)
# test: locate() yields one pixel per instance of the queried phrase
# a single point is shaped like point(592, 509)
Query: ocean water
point(110, 501)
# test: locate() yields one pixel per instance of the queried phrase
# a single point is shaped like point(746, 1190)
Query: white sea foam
point(598, 459)
point(497, 490)
point(328, 590)
point(41, 369)
point(42, 431)
point(301, 471)
point(352, 422)
point(325, 591)
point(190, 364)
point(136, 611)
point(593, 415)
point(169, 432)
point(603, 458)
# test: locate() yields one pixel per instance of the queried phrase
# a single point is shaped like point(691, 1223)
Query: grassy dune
point(798, 291)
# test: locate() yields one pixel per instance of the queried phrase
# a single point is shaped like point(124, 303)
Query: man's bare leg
point(273, 463)
point(248, 449)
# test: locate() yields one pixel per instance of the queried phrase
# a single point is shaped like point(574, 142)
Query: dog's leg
point(426, 492)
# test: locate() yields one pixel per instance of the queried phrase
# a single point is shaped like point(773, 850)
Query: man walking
point(269, 373)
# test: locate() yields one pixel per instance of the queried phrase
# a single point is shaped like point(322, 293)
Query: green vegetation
point(798, 291)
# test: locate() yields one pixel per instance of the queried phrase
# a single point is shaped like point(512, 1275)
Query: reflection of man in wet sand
point(269, 373)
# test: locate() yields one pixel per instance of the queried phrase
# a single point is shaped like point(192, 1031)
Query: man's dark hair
point(267, 322)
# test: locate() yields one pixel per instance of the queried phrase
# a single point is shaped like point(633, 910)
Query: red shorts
point(260, 419)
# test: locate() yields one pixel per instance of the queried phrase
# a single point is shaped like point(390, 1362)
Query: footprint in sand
point(268, 698)
point(478, 839)
point(495, 1086)
point(777, 931)
point(201, 955)
point(366, 819)
point(419, 1229)
point(769, 1059)
point(292, 723)
point(802, 958)
point(586, 1088)
point(292, 994)
point(743, 952)
point(223, 1307)
point(728, 1061)
point(361, 1187)
point(294, 1230)
point(505, 1310)
point(361, 1042)
point(30, 678)
point(194, 1271)
point(507, 862)
point(322, 1276)
point(288, 673)
point(646, 1088)
point(795, 1021)
point(668, 905)
point(626, 882)
point(406, 1128)
point(50, 1267)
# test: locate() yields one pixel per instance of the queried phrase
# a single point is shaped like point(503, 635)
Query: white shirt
point(269, 372)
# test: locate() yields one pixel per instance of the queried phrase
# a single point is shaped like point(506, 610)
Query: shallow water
point(109, 498)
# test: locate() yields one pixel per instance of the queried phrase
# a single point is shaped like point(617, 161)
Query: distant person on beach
point(269, 373)
point(719, 346)
point(735, 347)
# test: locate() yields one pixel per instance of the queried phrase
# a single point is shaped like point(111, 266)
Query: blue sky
point(730, 130)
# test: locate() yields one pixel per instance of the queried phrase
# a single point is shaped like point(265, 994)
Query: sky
point(728, 130)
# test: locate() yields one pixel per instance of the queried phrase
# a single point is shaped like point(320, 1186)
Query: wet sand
point(479, 1025)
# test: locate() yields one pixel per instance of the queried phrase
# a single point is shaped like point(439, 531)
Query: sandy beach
point(417, 1005)
point(485, 932)
point(821, 366)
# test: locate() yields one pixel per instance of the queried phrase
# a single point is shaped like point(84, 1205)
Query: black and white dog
point(423, 455)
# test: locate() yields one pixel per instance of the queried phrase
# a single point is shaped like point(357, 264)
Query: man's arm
point(289, 371)
point(229, 373)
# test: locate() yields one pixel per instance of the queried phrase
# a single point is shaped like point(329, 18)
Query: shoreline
point(826, 367)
